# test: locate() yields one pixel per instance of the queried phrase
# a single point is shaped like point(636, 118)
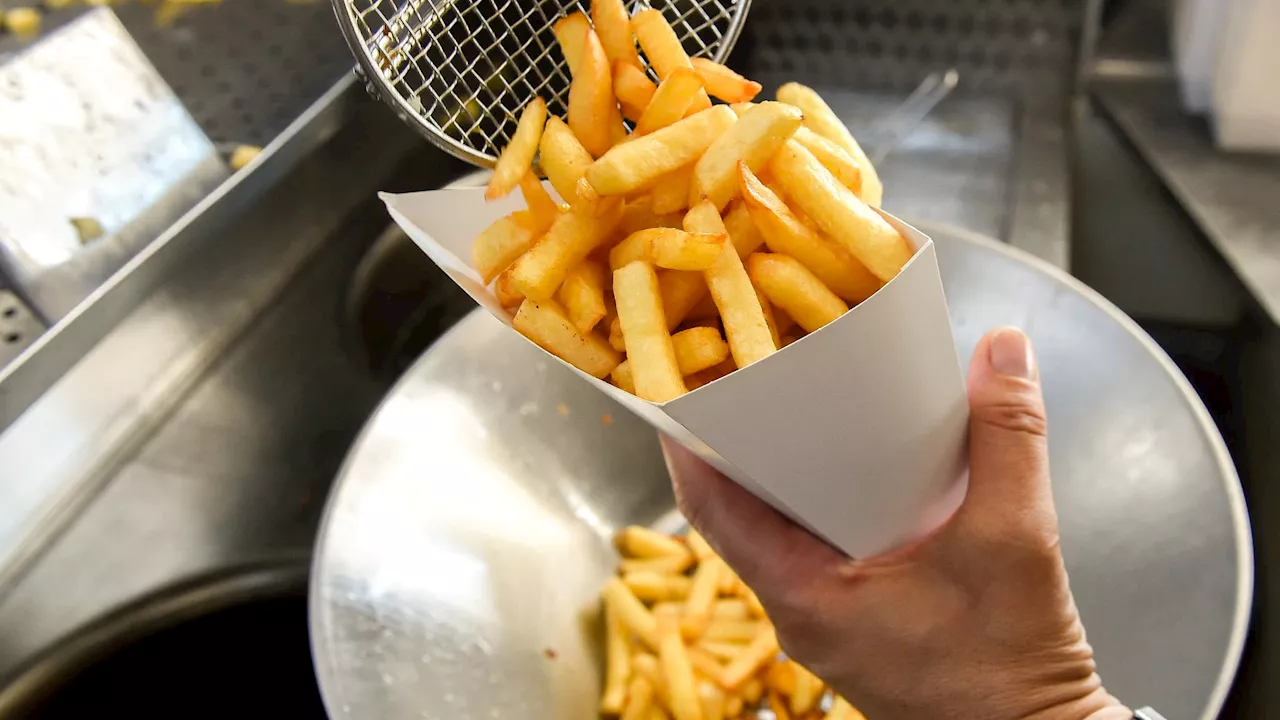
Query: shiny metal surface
point(460, 72)
point(1232, 197)
point(463, 548)
point(90, 133)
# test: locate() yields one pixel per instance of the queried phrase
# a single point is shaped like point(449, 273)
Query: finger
point(1008, 444)
point(766, 549)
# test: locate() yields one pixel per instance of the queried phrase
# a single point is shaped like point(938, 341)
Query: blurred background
point(201, 300)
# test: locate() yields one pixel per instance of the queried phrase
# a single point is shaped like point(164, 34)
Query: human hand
point(975, 621)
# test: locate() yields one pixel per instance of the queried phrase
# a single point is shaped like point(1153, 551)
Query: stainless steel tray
point(466, 541)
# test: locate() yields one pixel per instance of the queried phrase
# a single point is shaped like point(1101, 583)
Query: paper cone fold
point(857, 431)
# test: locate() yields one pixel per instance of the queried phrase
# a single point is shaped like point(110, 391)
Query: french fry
point(669, 565)
point(582, 295)
point(678, 673)
point(781, 677)
point(647, 666)
point(712, 699)
point(592, 105)
point(657, 713)
point(639, 699)
point(742, 229)
point(729, 608)
point(833, 157)
point(702, 596)
point(618, 342)
point(723, 83)
point(698, 349)
point(570, 31)
point(508, 296)
point(674, 97)
point(563, 158)
point(633, 89)
point(671, 193)
point(721, 649)
point(640, 215)
point(753, 141)
point(663, 48)
point(842, 710)
point(698, 544)
point(839, 213)
point(762, 649)
point(767, 308)
point(753, 602)
point(744, 323)
point(638, 163)
point(501, 244)
point(658, 587)
point(729, 583)
point(704, 663)
point(789, 284)
point(733, 705)
point(617, 662)
point(542, 209)
point(785, 321)
point(538, 273)
point(731, 630)
point(586, 201)
point(785, 233)
point(819, 117)
point(778, 705)
point(640, 542)
point(752, 690)
point(710, 375)
point(644, 329)
point(676, 250)
point(613, 25)
point(681, 292)
point(517, 157)
point(705, 310)
point(807, 692)
point(631, 612)
point(547, 325)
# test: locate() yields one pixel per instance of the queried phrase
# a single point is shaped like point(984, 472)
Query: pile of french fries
point(686, 639)
point(749, 219)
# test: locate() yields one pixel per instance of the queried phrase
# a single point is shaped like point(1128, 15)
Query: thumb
point(1008, 443)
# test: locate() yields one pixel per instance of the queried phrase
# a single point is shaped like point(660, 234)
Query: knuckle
point(1015, 415)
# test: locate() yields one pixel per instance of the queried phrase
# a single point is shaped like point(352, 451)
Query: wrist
point(1097, 705)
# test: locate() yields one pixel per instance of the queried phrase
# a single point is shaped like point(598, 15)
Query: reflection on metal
point(469, 534)
point(892, 130)
point(18, 327)
point(88, 130)
point(1233, 198)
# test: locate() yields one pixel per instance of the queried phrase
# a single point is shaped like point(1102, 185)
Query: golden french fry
point(538, 273)
point(647, 666)
point(669, 565)
point(710, 375)
point(752, 690)
point(731, 630)
point(785, 321)
point(582, 295)
point(762, 649)
point(789, 284)
point(729, 608)
point(617, 662)
point(570, 31)
point(591, 102)
point(742, 229)
point(698, 544)
point(678, 673)
point(517, 156)
point(658, 587)
point(663, 48)
point(613, 25)
point(785, 233)
point(833, 157)
point(563, 158)
point(636, 247)
point(688, 251)
point(842, 710)
point(807, 692)
point(744, 323)
point(671, 102)
point(633, 614)
point(657, 713)
point(753, 141)
point(733, 705)
point(699, 348)
point(636, 541)
point(638, 163)
point(838, 212)
point(702, 595)
point(501, 244)
point(721, 649)
point(781, 677)
point(644, 329)
point(723, 83)
point(621, 376)
point(547, 325)
point(778, 706)
point(639, 699)
point(753, 602)
point(681, 292)
point(617, 341)
point(712, 699)
point(729, 583)
point(586, 201)
point(704, 663)
point(508, 296)
point(543, 211)
point(639, 215)
point(633, 89)
point(671, 193)
point(767, 308)
point(819, 117)
point(705, 312)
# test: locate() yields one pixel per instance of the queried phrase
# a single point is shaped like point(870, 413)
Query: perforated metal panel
point(1022, 45)
point(461, 71)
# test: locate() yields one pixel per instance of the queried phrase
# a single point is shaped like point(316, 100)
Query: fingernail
point(1011, 354)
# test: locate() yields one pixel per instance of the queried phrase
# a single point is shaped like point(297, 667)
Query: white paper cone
point(857, 431)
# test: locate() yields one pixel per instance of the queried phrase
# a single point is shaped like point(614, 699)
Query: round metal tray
point(468, 536)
